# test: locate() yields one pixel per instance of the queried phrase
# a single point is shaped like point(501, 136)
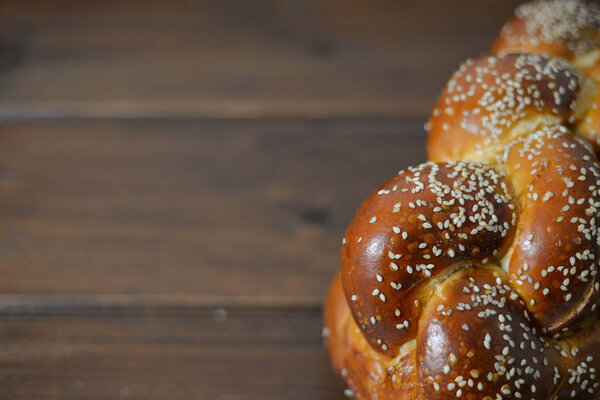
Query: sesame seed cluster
point(568, 29)
point(568, 23)
point(554, 259)
point(492, 99)
point(475, 275)
point(411, 230)
point(498, 353)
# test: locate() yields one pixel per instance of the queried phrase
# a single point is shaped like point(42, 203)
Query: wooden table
point(176, 177)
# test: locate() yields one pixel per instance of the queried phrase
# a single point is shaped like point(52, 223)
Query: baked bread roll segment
point(475, 275)
point(414, 232)
point(569, 29)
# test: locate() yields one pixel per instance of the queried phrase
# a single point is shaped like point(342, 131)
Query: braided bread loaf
point(475, 275)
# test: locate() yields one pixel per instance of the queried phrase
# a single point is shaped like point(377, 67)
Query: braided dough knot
point(475, 275)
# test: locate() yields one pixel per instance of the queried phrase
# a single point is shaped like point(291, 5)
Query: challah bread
point(475, 275)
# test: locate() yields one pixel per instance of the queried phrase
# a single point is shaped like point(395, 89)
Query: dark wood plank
point(199, 208)
point(235, 58)
point(248, 355)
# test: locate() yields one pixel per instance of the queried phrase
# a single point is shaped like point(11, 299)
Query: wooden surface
point(231, 58)
point(219, 208)
point(176, 177)
point(251, 355)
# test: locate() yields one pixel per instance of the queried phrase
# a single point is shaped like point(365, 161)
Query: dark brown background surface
point(176, 177)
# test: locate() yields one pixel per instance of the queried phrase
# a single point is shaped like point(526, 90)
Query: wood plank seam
point(61, 110)
point(169, 305)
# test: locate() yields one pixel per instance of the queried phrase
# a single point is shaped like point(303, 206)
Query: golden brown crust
point(558, 28)
point(553, 265)
point(487, 98)
point(388, 271)
point(472, 328)
point(368, 373)
point(589, 127)
point(475, 276)
point(475, 341)
point(569, 29)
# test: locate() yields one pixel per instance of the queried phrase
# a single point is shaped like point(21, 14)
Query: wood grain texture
point(245, 355)
point(213, 208)
point(235, 58)
point(176, 177)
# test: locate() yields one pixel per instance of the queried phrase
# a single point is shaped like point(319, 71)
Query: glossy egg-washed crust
point(475, 275)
